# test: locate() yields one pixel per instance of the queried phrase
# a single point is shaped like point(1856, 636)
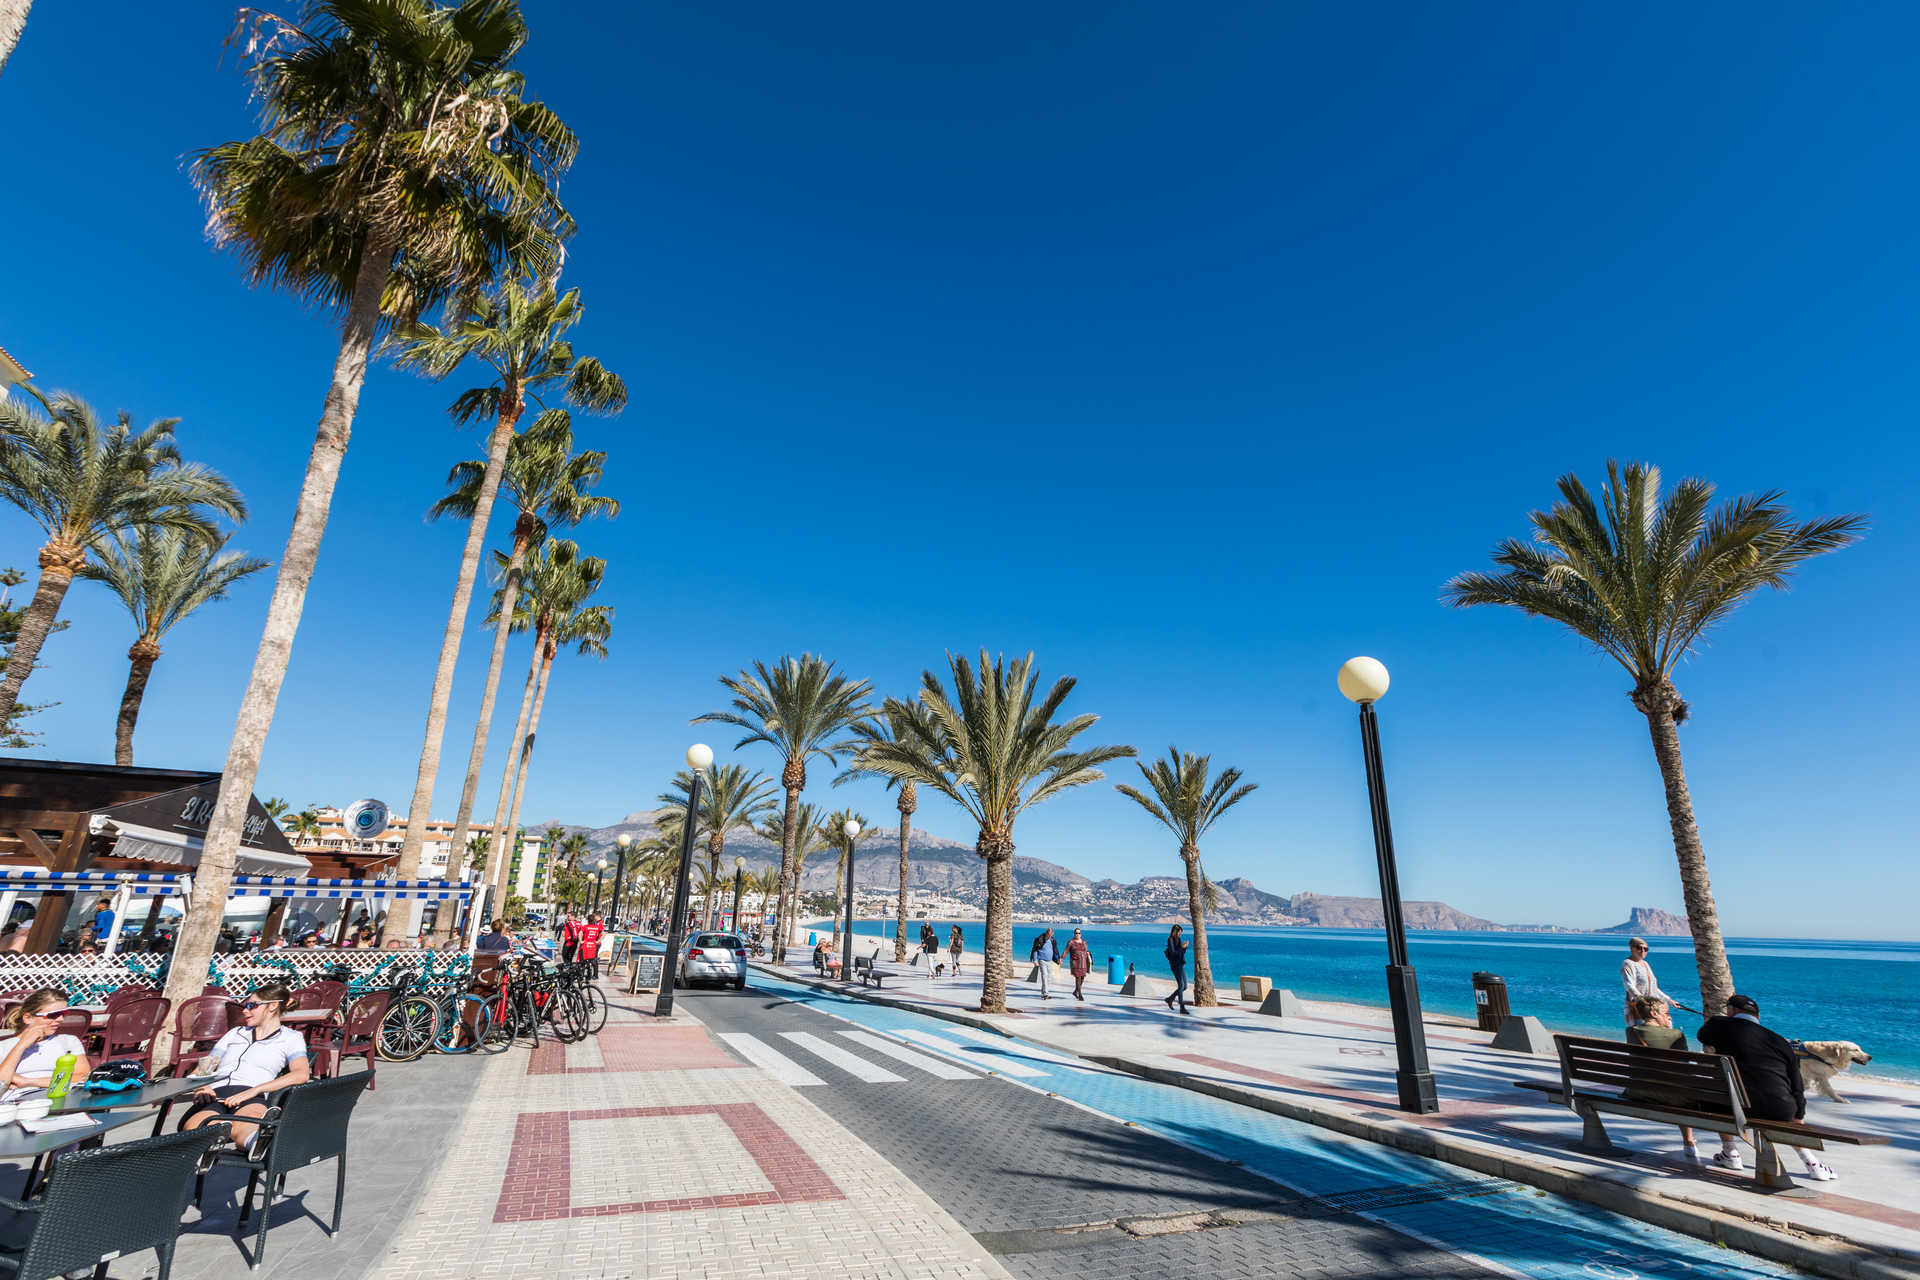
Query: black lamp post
point(1363, 680)
point(699, 759)
point(619, 876)
point(739, 870)
point(851, 830)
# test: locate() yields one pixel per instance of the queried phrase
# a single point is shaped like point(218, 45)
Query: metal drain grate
point(1370, 1198)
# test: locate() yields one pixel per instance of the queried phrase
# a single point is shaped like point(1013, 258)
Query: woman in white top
point(253, 1060)
point(1637, 976)
point(27, 1057)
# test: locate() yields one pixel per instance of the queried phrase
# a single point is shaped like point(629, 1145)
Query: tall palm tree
point(276, 807)
point(161, 575)
point(995, 752)
point(548, 484)
point(13, 20)
point(835, 827)
point(1644, 577)
point(766, 883)
point(799, 708)
point(398, 163)
point(557, 579)
point(1186, 802)
point(81, 481)
point(304, 825)
point(797, 827)
point(732, 796)
point(888, 727)
point(521, 336)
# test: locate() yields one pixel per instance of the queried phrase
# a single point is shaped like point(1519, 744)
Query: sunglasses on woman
point(251, 1005)
point(47, 1013)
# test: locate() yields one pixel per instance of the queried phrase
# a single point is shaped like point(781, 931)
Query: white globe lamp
point(1363, 680)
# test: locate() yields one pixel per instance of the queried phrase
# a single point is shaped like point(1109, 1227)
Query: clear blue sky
point(1191, 348)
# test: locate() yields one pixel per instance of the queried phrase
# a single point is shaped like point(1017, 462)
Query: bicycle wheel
point(563, 1016)
point(408, 1030)
point(464, 1024)
point(596, 1004)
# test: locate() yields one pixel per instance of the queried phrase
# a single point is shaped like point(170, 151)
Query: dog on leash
point(940, 971)
point(1822, 1060)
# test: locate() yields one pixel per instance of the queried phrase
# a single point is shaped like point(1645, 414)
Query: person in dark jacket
point(1768, 1067)
point(1177, 961)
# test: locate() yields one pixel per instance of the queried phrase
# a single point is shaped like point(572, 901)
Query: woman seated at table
point(248, 1064)
point(34, 1045)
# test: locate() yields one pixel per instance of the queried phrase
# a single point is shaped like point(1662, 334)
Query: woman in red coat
point(1080, 961)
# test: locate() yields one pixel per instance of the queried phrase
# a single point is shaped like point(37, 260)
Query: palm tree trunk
point(545, 655)
point(140, 660)
point(1709, 949)
point(59, 561)
point(998, 960)
point(716, 845)
point(900, 923)
point(193, 948)
point(500, 830)
point(421, 808)
point(840, 896)
point(13, 20)
point(509, 593)
point(793, 777)
point(1203, 996)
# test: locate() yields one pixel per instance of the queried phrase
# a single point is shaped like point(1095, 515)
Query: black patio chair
point(106, 1202)
point(311, 1126)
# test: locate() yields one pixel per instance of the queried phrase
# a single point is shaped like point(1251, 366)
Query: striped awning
point(141, 884)
point(277, 887)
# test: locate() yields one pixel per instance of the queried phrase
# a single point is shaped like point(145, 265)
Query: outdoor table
point(17, 1144)
point(95, 1100)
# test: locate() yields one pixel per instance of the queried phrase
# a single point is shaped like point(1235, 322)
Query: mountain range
point(950, 869)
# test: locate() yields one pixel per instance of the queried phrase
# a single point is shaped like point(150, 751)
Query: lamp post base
point(1414, 1080)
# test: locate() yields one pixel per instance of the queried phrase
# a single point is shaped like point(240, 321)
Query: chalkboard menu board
point(647, 966)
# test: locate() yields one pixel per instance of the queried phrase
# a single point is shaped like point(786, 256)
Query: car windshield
point(723, 940)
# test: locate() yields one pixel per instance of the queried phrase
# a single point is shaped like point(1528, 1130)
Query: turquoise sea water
point(1810, 989)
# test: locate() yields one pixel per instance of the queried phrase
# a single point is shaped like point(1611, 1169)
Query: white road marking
point(767, 1058)
point(970, 1053)
point(1020, 1047)
point(932, 1066)
point(851, 1063)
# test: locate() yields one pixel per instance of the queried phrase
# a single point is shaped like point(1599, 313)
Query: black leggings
point(218, 1105)
point(1180, 986)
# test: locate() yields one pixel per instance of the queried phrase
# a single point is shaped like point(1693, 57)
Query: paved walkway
point(1336, 1065)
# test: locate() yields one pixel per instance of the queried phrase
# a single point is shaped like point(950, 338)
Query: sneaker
point(1819, 1172)
point(1691, 1155)
point(1730, 1160)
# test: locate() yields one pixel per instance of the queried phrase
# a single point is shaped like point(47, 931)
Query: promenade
point(1334, 1067)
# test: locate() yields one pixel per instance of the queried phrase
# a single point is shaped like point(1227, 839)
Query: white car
point(714, 957)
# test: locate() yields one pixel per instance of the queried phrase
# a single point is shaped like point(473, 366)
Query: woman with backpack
point(956, 945)
point(1177, 961)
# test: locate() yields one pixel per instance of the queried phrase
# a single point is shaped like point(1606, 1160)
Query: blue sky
point(1191, 349)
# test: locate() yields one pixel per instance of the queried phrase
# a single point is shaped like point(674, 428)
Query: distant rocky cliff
point(1648, 922)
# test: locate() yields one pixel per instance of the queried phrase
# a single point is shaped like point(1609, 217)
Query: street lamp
point(619, 874)
point(699, 759)
point(599, 875)
point(1363, 680)
point(739, 870)
point(852, 829)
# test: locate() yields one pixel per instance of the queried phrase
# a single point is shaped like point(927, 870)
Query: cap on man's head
point(1638, 942)
point(1743, 1004)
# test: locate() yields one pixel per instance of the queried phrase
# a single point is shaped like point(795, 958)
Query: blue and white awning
point(276, 887)
point(141, 884)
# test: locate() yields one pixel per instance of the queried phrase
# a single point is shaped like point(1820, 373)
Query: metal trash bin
point(1490, 1000)
point(1117, 970)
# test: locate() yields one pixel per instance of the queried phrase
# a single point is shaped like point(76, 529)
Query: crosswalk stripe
point(900, 1053)
point(971, 1053)
point(766, 1057)
point(1020, 1047)
point(851, 1063)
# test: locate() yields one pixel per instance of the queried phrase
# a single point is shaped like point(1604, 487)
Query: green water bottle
point(62, 1075)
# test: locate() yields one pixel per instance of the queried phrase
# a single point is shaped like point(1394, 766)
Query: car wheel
point(739, 984)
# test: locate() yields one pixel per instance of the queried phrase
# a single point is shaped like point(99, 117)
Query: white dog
point(1822, 1060)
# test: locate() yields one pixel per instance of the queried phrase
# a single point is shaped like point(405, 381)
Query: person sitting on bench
point(1653, 1027)
point(1770, 1070)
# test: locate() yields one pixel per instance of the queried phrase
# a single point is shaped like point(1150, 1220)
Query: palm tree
point(887, 727)
point(996, 753)
point(398, 163)
point(548, 483)
point(731, 797)
point(835, 827)
point(80, 482)
point(304, 825)
point(1644, 577)
point(1186, 802)
point(797, 827)
point(766, 883)
point(161, 575)
point(556, 580)
point(13, 20)
point(521, 337)
point(276, 807)
point(797, 708)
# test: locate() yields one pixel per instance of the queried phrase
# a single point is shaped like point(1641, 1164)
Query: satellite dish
point(366, 819)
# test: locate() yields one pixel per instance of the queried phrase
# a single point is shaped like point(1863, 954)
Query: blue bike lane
point(1503, 1225)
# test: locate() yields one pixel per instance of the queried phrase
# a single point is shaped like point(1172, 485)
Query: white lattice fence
point(88, 979)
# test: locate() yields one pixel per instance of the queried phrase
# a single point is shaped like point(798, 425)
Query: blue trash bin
point(813, 939)
point(1117, 970)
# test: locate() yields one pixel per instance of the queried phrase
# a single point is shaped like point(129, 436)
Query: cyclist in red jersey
point(570, 938)
point(590, 945)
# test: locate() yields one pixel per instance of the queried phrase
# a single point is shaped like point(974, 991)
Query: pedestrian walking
point(956, 944)
point(1769, 1068)
point(929, 948)
point(1043, 954)
point(1636, 975)
point(1079, 961)
point(1177, 961)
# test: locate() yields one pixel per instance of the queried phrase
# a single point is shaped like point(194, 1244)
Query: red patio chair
point(323, 993)
point(360, 1037)
point(130, 1029)
point(77, 1023)
point(196, 1025)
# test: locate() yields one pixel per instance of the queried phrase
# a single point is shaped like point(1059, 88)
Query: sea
point(1808, 988)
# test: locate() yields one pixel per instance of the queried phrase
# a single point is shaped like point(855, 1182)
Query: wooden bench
point(1669, 1086)
point(866, 968)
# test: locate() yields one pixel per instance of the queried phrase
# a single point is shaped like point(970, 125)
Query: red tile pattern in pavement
point(540, 1167)
point(637, 1049)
